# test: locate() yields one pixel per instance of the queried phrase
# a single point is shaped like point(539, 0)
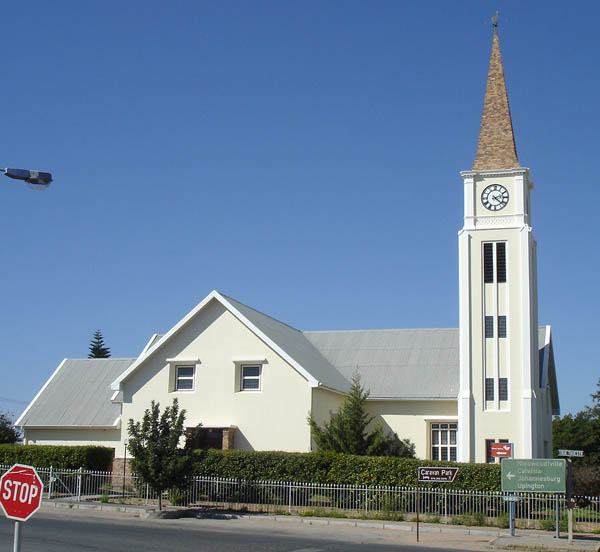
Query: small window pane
point(251, 384)
point(453, 454)
point(435, 437)
point(453, 426)
point(453, 437)
point(435, 454)
point(435, 426)
point(444, 452)
point(185, 384)
point(444, 437)
point(489, 389)
point(503, 389)
point(185, 371)
point(251, 371)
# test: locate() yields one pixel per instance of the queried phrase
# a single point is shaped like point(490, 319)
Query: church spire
point(496, 148)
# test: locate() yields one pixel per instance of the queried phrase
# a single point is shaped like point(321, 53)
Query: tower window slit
point(501, 261)
point(489, 326)
point(488, 262)
point(489, 389)
point(503, 389)
point(502, 326)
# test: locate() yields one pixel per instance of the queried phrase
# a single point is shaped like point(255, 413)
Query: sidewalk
point(544, 541)
point(500, 539)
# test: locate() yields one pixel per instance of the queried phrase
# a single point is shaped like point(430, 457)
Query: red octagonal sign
point(20, 492)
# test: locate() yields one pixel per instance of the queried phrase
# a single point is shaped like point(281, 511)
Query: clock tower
point(499, 364)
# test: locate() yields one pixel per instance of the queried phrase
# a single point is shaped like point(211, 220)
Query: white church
point(251, 380)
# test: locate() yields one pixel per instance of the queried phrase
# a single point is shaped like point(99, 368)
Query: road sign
point(511, 498)
point(502, 450)
point(20, 492)
point(537, 475)
point(569, 452)
point(437, 474)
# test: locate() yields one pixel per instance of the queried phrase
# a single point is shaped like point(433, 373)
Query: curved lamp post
point(37, 180)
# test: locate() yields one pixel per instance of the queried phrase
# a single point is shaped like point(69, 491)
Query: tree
point(154, 447)
point(580, 431)
point(97, 347)
point(347, 432)
point(9, 434)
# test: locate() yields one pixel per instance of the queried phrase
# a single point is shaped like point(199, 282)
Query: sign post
point(538, 475)
point(569, 453)
point(20, 496)
point(435, 474)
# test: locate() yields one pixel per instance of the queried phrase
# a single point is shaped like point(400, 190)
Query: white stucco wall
point(273, 418)
point(73, 437)
point(411, 419)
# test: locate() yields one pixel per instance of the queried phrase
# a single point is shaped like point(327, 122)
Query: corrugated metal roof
point(78, 395)
point(295, 344)
point(411, 364)
point(398, 364)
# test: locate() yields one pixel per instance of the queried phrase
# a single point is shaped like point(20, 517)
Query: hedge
point(63, 457)
point(319, 467)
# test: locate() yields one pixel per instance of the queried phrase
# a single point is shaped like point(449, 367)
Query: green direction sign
point(538, 475)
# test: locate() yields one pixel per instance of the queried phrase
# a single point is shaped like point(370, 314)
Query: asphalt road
point(74, 530)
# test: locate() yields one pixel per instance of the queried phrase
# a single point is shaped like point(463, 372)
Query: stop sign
point(20, 492)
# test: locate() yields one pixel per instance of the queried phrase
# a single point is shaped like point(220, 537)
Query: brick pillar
point(228, 438)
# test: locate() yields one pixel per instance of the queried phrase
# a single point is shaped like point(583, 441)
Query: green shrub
point(61, 457)
point(334, 468)
point(503, 521)
point(476, 519)
point(177, 497)
point(549, 524)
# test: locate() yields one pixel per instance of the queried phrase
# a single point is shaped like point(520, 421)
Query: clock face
point(494, 197)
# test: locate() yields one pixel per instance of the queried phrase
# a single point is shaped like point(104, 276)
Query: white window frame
point(443, 431)
point(250, 378)
point(179, 378)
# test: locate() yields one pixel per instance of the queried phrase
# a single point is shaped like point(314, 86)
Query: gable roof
point(415, 364)
point(287, 342)
point(77, 394)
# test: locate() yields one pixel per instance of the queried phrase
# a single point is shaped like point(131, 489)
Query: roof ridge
point(378, 330)
point(109, 358)
point(259, 312)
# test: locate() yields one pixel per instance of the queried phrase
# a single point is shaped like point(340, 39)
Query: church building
point(251, 380)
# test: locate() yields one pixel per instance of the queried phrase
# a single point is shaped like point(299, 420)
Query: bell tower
point(499, 365)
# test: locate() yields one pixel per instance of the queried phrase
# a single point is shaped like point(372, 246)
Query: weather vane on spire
point(494, 20)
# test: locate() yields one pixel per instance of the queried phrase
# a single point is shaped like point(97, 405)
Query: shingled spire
point(496, 148)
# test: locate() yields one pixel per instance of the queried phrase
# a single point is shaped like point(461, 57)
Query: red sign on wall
point(502, 450)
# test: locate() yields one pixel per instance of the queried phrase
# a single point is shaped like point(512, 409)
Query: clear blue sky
point(302, 157)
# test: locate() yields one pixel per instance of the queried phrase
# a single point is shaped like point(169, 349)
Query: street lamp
point(37, 180)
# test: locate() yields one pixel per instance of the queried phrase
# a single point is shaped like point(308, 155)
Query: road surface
point(52, 530)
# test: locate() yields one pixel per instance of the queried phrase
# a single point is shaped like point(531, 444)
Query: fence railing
point(435, 504)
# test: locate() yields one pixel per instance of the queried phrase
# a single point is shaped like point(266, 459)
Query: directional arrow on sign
point(510, 475)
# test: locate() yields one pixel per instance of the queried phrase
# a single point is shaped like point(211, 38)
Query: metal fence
point(435, 504)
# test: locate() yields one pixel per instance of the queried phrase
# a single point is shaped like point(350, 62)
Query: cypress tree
point(347, 431)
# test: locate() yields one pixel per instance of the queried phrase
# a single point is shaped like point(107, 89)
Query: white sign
point(568, 452)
